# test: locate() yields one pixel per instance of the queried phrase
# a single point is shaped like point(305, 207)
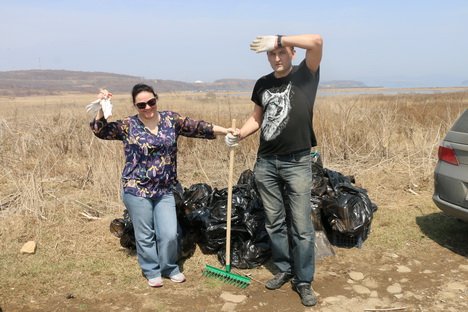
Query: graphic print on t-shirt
point(276, 107)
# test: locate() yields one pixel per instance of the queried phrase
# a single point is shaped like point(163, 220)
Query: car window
point(461, 125)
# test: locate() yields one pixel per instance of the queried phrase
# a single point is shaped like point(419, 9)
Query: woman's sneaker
point(178, 278)
point(155, 281)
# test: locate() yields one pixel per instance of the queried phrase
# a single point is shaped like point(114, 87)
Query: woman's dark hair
point(140, 87)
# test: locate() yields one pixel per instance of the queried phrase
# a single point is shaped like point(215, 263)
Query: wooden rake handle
point(229, 205)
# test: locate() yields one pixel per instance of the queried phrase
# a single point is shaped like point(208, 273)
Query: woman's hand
point(104, 94)
point(102, 107)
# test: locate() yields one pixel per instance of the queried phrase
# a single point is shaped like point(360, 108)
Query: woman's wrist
point(219, 130)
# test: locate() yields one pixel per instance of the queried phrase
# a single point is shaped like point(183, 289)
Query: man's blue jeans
point(284, 183)
point(155, 225)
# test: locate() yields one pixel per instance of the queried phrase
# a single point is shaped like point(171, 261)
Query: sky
point(393, 43)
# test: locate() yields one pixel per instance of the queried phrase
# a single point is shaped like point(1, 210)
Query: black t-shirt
point(287, 104)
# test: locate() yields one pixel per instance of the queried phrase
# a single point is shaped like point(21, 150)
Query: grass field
point(60, 185)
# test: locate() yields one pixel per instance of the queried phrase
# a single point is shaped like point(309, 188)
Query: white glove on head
point(103, 102)
point(231, 140)
point(263, 43)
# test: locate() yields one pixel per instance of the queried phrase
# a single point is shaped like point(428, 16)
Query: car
point(451, 172)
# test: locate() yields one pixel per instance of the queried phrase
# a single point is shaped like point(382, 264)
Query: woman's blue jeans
point(155, 225)
point(284, 183)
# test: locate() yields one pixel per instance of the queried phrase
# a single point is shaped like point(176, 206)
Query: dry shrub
point(53, 163)
point(386, 139)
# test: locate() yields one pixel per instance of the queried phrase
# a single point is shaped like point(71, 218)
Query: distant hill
point(38, 82)
point(47, 82)
point(342, 84)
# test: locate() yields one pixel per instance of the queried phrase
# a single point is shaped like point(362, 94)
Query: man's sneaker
point(155, 281)
point(278, 280)
point(178, 278)
point(306, 293)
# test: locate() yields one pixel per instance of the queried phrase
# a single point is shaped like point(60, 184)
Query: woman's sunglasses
point(150, 103)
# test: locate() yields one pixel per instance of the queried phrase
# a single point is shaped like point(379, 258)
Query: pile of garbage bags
point(339, 208)
point(203, 211)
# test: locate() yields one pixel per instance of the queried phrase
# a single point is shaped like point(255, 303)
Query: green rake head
point(226, 276)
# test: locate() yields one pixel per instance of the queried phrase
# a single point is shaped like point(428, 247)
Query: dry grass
point(53, 164)
point(54, 170)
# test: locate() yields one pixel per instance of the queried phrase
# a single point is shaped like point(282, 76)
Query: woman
point(149, 174)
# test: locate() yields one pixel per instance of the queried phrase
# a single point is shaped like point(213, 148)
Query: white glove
point(263, 43)
point(231, 140)
point(94, 107)
point(106, 105)
point(103, 102)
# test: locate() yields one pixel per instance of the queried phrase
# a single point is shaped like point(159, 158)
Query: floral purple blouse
point(151, 160)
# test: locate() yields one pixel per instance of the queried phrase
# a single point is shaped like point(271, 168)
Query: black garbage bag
point(195, 217)
point(250, 243)
point(195, 205)
point(336, 180)
point(178, 192)
point(346, 207)
point(316, 207)
point(254, 222)
point(247, 177)
point(214, 238)
point(213, 232)
point(187, 239)
point(248, 254)
point(117, 227)
point(193, 212)
point(253, 212)
point(218, 205)
point(123, 229)
point(245, 204)
point(250, 247)
point(319, 181)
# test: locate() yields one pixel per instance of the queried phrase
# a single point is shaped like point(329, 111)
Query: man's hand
point(231, 140)
point(264, 43)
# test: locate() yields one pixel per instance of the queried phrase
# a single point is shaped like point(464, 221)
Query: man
point(283, 110)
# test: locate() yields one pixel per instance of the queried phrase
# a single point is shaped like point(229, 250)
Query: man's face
point(281, 59)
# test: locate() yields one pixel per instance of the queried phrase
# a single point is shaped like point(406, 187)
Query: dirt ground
point(429, 273)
